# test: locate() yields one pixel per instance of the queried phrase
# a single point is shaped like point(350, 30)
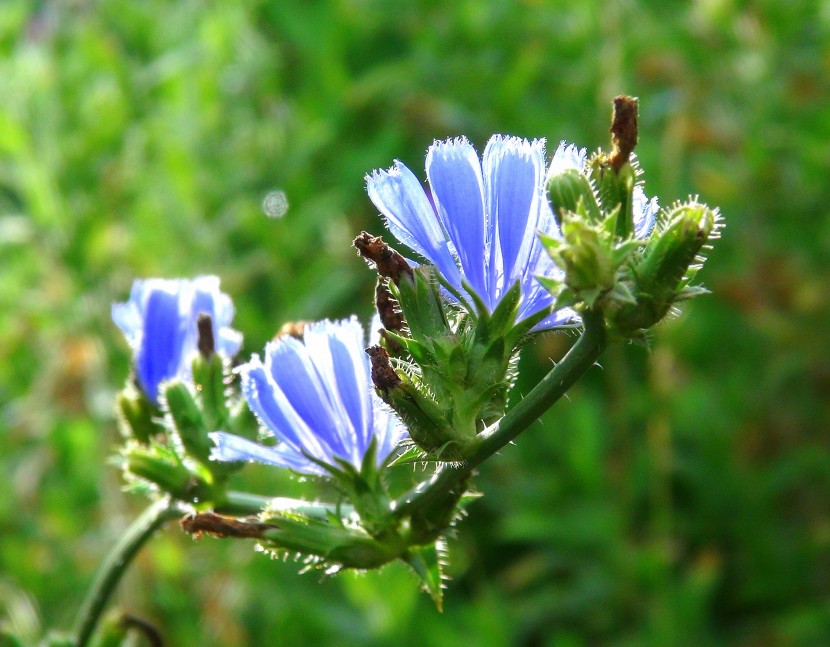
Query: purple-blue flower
point(316, 398)
point(478, 223)
point(160, 323)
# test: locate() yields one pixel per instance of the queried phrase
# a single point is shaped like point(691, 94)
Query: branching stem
point(553, 386)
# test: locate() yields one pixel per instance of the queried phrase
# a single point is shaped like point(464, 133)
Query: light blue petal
point(128, 318)
point(317, 398)
point(513, 173)
point(454, 174)
point(645, 212)
point(399, 196)
point(338, 352)
point(559, 319)
point(293, 372)
point(229, 447)
point(567, 157)
point(272, 408)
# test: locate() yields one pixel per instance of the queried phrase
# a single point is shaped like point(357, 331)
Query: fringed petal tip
point(503, 145)
point(567, 157)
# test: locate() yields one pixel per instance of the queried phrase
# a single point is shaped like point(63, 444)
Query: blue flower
point(160, 320)
point(478, 224)
point(568, 157)
point(317, 399)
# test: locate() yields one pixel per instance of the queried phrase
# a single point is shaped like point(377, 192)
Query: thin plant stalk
point(116, 564)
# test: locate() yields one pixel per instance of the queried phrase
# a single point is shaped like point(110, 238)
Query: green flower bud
point(571, 191)
point(187, 422)
point(669, 262)
point(586, 258)
point(137, 415)
point(160, 465)
point(209, 379)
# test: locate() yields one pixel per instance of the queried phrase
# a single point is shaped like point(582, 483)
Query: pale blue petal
point(645, 212)
point(272, 408)
point(318, 400)
point(454, 174)
point(410, 217)
point(229, 447)
point(388, 430)
point(513, 172)
point(293, 373)
point(159, 322)
point(567, 157)
point(338, 353)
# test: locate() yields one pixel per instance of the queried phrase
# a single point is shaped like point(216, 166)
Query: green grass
point(679, 497)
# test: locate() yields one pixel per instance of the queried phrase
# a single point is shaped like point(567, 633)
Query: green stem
point(116, 564)
point(243, 503)
point(553, 386)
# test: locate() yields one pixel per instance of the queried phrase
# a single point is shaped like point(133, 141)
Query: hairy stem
point(553, 386)
point(116, 564)
point(243, 503)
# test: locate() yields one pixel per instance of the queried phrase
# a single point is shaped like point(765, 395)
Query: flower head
point(478, 223)
point(316, 397)
point(160, 323)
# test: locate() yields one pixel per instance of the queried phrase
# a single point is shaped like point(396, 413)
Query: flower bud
point(187, 422)
point(136, 415)
point(585, 257)
point(570, 189)
point(160, 466)
point(668, 264)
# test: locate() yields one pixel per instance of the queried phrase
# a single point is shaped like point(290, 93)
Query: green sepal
point(161, 466)
point(672, 252)
point(209, 379)
point(137, 416)
point(503, 318)
point(615, 190)
point(327, 544)
point(428, 564)
point(421, 304)
point(187, 420)
point(520, 332)
point(426, 421)
point(410, 455)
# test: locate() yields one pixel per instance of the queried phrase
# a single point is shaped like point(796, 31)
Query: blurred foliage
point(680, 497)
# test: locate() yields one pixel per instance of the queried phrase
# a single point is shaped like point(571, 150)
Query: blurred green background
point(678, 497)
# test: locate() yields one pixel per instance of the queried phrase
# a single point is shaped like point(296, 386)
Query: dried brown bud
point(206, 342)
point(221, 526)
point(388, 307)
point(388, 262)
point(623, 130)
point(383, 375)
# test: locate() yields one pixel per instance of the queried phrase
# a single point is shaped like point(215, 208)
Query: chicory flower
point(160, 323)
point(477, 223)
point(316, 398)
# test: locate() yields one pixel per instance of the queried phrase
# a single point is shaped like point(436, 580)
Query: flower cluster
point(507, 244)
